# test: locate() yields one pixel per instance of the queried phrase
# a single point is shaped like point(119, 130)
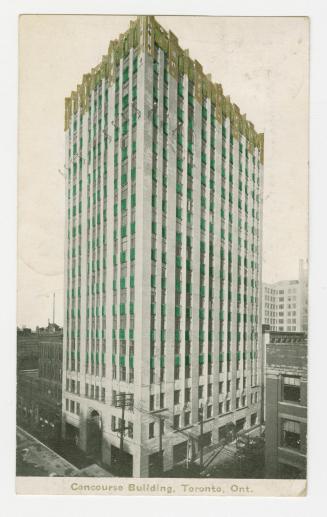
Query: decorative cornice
point(145, 32)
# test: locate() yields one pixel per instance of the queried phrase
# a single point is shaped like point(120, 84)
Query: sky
point(262, 63)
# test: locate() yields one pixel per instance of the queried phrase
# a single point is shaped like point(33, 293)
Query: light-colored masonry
point(162, 255)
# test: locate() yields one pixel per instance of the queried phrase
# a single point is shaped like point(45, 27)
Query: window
point(176, 396)
point(187, 418)
point(291, 389)
point(220, 408)
point(291, 434)
point(162, 400)
point(130, 429)
point(200, 392)
point(151, 430)
point(209, 411)
point(187, 394)
point(176, 421)
point(228, 406)
point(113, 423)
point(151, 402)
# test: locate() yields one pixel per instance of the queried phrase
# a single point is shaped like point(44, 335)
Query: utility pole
point(53, 308)
point(201, 435)
point(123, 400)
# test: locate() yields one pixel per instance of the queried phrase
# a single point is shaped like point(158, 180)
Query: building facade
point(286, 406)
point(162, 257)
point(39, 390)
point(285, 304)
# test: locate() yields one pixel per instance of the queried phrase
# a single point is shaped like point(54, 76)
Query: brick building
point(286, 405)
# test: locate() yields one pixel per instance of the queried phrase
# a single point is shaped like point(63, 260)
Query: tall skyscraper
point(163, 257)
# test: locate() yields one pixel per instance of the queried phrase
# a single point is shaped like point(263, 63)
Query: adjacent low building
point(286, 405)
point(39, 390)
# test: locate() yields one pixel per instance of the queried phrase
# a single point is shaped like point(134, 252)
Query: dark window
point(291, 389)
point(291, 434)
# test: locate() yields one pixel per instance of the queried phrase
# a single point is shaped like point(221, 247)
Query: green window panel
point(188, 287)
point(124, 180)
point(221, 316)
point(124, 205)
point(132, 254)
point(180, 89)
point(203, 180)
point(189, 170)
point(203, 202)
point(178, 238)
point(177, 336)
point(178, 286)
point(201, 359)
point(163, 309)
point(153, 281)
point(152, 362)
point(178, 262)
point(133, 174)
point(123, 283)
point(122, 309)
point(188, 312)
point(203, 158)
point(164, 257)
point(177, 360)
point(131, 361)
point(164, 232)
point(179, 213)
point(189, 218)
point(165, 102)
point(125, 101)
point(132, 282)
point(202, 269)
point(131, 333)
point(121, 333)
point(124, 128)
point(179, 188)
point(116, 134)
point(204, 113)
point(201, 335)
point(153, 254)
point(201, 314)
point(124, 153)
point(178, 311)
point(180, 115)
point(134, 120)
point(134, 92)
point(154, 201)
point(179, 164)
point(123, 231)
point(163, 283)
point(134, 147)
point(202, 224)
point(202, 290)
point(122, 360)
point(154, 227)
point(163, 335)
point(162, 361)
point(122, 257)
point(131, 308)
point(165, 128)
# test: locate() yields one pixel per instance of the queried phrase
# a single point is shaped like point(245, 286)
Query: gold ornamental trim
point(144, 33)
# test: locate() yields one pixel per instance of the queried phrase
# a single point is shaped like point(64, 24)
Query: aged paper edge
point(162, 487)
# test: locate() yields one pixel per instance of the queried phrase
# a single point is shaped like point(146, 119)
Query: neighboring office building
point(163, 255)
point(285, 303)
point(286, 405)
point(39, 391)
